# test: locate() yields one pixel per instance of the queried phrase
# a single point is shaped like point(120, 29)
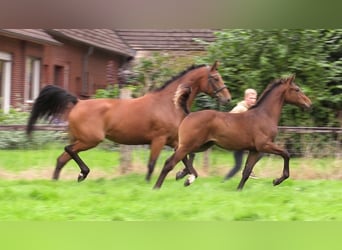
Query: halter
point(211, 81)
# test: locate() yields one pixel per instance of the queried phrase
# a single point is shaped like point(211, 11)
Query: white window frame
point(6, 58)
point(32, 65)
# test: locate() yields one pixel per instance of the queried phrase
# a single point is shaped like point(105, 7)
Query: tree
point(253, 58)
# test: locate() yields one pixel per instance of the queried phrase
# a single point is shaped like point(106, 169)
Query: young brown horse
point(151, 119)
point(253, 130)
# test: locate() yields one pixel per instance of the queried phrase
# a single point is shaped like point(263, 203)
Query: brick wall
point(71, 56)
point(68, 58)
point(19, 50)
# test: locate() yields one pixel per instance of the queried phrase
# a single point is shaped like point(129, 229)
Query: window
point(59, 76)
point(1, 73)
point(32, 77)
point(5, 81)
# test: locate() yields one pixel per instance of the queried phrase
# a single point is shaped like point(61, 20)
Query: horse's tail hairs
point(51, 102)
point(181, 98)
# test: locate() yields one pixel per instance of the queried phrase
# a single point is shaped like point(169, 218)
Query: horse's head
point(294, 94)
point(215, 86)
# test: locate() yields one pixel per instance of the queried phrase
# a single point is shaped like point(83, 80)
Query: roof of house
point(100, 38)
point(32, 35)
point(171, 39)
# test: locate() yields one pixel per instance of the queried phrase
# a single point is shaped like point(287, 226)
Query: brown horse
point(151, 119)
point(253, 130)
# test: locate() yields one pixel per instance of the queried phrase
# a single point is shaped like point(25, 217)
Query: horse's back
point(86, 109)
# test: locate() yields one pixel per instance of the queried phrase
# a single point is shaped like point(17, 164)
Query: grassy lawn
point(27, 194)
point(130, 198)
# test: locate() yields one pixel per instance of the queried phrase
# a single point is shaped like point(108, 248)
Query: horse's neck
point(272, 105)
point(193, 82)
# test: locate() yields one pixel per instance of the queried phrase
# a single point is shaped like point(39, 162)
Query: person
point(250, 97)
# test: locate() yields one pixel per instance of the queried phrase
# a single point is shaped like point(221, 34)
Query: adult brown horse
point(151, 119)
point(253, 130)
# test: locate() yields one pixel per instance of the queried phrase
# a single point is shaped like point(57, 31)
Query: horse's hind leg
point(191, 170)
point(252, 159)
point(168, 166)
point(73, 151)
point(61, 161)
point(189, 162)
point(185, 171)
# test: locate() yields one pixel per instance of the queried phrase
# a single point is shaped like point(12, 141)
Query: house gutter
point(85, 80)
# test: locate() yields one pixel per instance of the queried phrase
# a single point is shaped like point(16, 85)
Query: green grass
point(27, 194)
point(130, 198)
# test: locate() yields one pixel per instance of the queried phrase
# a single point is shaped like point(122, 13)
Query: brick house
point(177, 41)
point(21, 52)
point(78, 60)
point(177, 49)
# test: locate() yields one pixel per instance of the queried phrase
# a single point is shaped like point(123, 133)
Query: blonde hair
point(250, 91)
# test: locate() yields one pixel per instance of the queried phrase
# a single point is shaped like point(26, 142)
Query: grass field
point(129, 198)
point(27, 194)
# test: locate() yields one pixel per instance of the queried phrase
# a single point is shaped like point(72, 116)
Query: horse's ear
point(291, 78)
point(215, 66)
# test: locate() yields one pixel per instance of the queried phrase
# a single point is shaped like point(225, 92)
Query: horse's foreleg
point(286, 169)
point(61, 161)
point(156, 147)
point(187, 162)
point(274, 149)
point(252, 159)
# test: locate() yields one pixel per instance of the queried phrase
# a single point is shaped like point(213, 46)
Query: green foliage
point(253, 58)
point(111, 91)
point(19, 139)
point(13, 117)
point(153, 71)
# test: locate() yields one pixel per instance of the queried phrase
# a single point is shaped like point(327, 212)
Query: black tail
point(181, 98)
point(51, 102)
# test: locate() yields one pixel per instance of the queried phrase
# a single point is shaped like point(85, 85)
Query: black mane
point(268, 90)
point(178, 76)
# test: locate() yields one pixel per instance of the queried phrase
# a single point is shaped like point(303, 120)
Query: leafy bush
point(253, 58)
point(111, 91)
point(19, 139)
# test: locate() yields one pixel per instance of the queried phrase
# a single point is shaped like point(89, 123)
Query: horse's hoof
point(179, 175)
point(275, 182)
point(148, 178)
point(81, 177)
point(189, 180)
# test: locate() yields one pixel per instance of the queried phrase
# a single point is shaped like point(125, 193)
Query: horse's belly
point(129, 139)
